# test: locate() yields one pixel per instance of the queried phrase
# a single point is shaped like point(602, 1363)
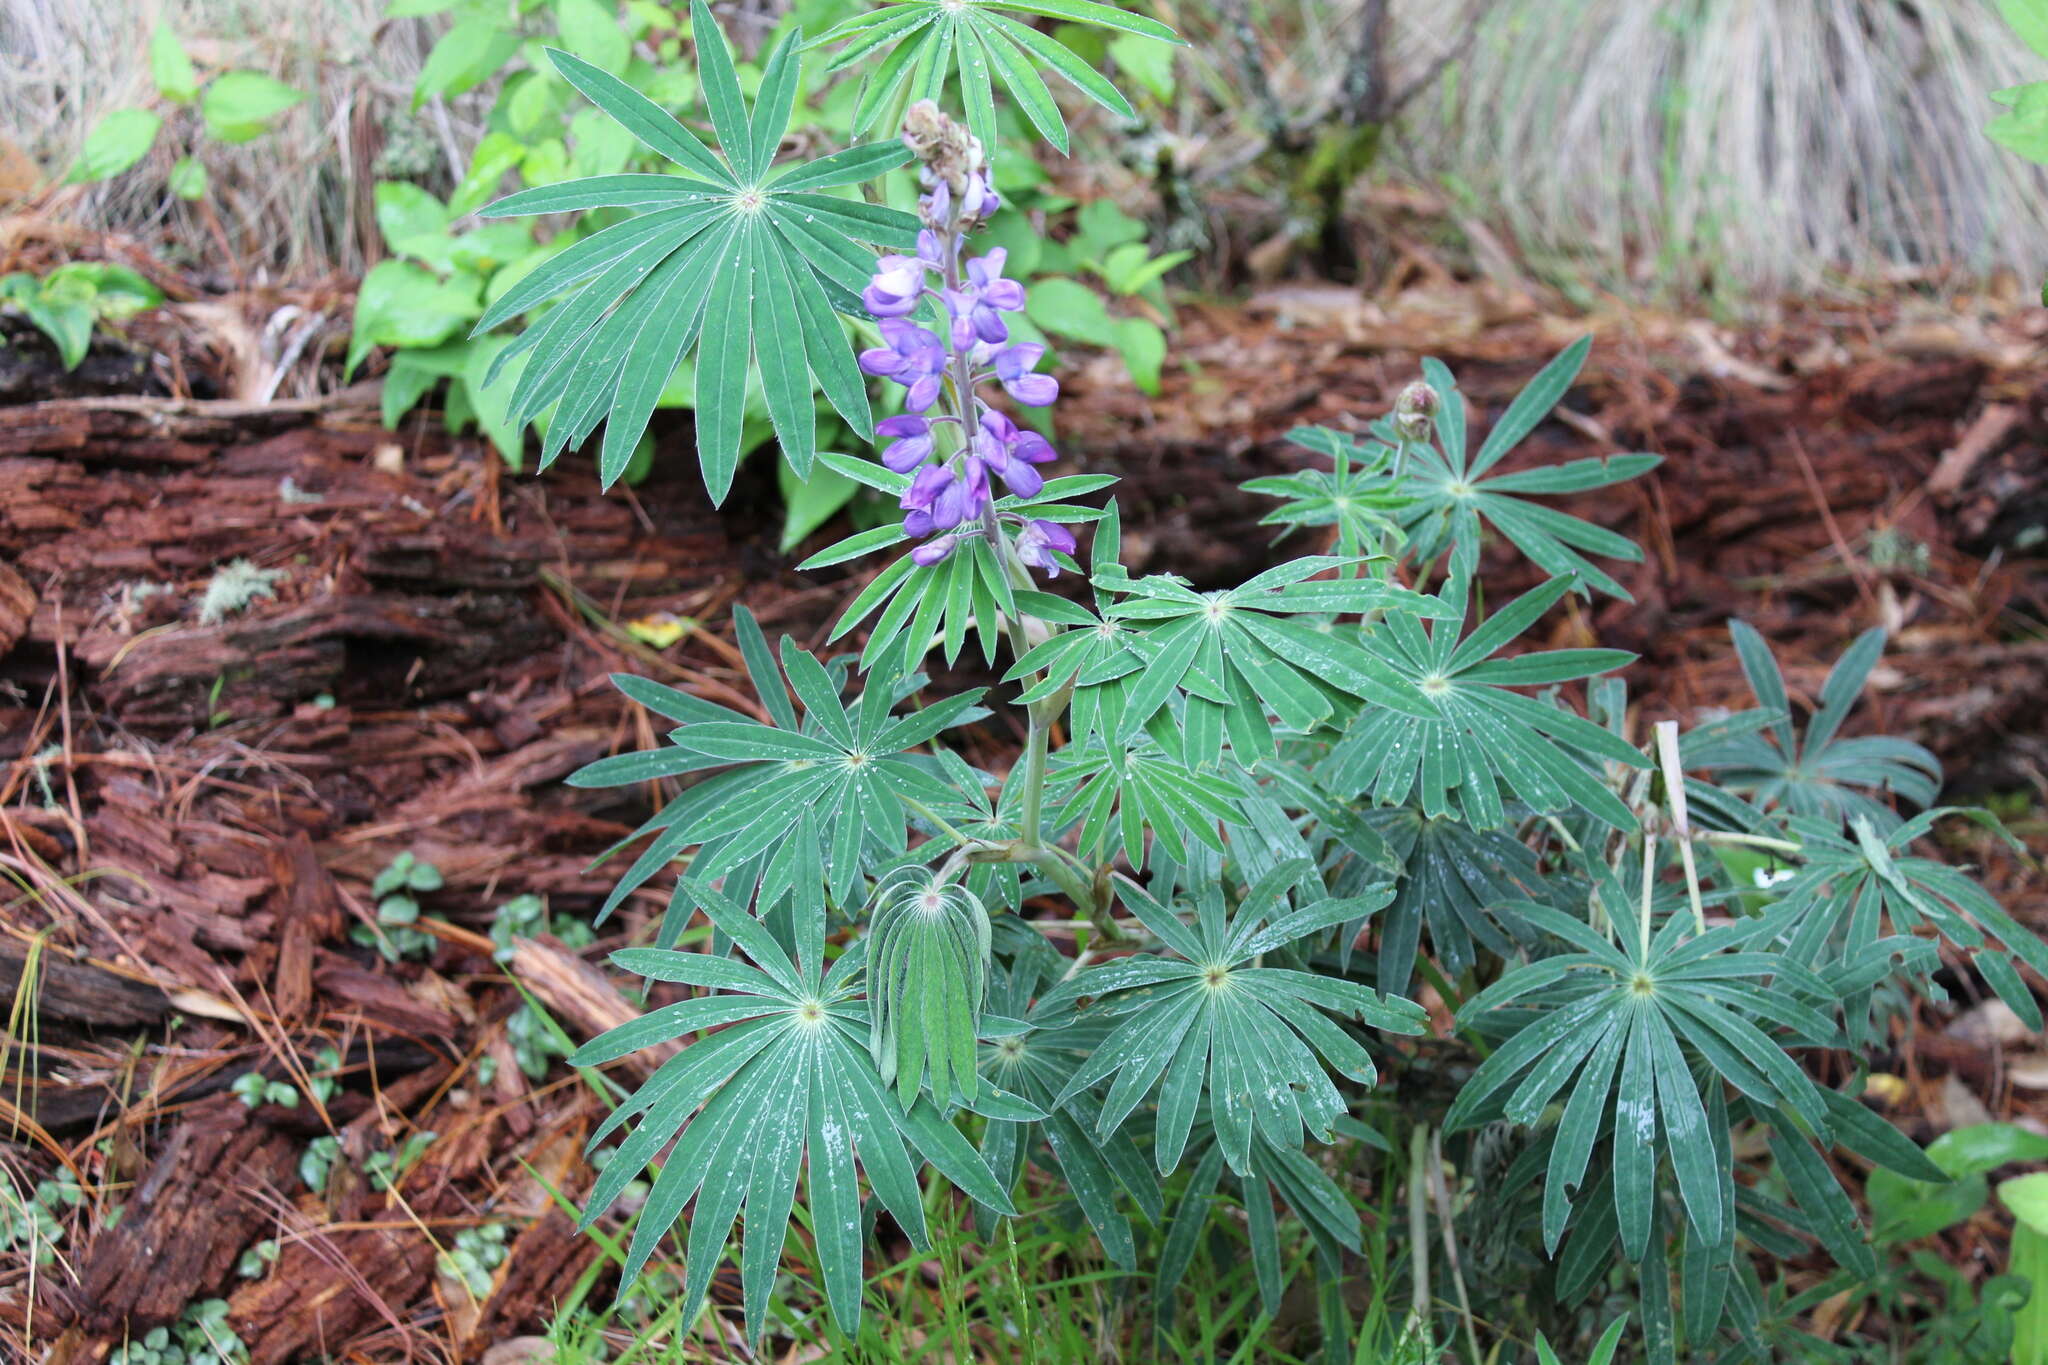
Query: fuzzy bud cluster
point(1415, 410)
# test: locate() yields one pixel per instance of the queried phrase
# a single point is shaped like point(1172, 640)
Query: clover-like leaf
point(750, 264)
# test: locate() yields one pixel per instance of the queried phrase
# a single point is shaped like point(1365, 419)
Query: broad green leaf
point(119, 140)
point(170, 68)
point(239, 106)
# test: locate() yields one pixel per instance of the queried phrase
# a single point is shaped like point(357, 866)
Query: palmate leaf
point(1254, 1040)
point(1620, 1030)
point(928, 951)
point(749, 264)
point(797, 807)
point(987, 48)
point(1225, 660)
point(1459, 883)
point(1114, 796)
point(1449, 497)
point(785, 1088)
point(1817, 773)
point(1102, 1173)
point(1851, 889)
point(1355, 495)
point(1480, 738)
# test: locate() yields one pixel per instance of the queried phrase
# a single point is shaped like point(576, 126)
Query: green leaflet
point(1231, 658)
point(843, 772)
point(1446, 499)
point(1636, 1019)
point(752, 265)
point(1818, 773)
point(1104, 1174)
point(1851, 888)
point(921, 607)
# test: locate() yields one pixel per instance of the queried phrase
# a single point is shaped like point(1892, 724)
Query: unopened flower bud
point(955, 170)
point(1414, 410)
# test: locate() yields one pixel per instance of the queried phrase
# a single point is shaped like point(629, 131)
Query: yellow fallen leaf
point(660, 630)
point(1885, 1088)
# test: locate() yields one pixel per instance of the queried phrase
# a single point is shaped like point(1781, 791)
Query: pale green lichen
point(233, 587)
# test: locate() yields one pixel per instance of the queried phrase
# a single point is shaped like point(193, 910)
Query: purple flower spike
point(1014, 369)
point(933, 551)
point(910, 442)
point(894, 291)
point(1039, 540)
point(931, 481)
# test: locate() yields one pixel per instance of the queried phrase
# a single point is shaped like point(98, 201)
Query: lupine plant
point(1337, 861)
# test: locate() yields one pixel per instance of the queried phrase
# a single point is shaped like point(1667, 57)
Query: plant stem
point(1725, 836)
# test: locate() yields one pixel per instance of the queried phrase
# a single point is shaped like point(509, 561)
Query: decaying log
point(148, 430)
point(193, 1213)
point(85, 995)
point(579, 995)
point(17, 606)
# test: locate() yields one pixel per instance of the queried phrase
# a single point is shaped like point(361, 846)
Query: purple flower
point(924, 491)
point(910, 442)
point(914, 357)
point(939, 500)
point(933, 551)
point(935, 206)
point(1038, 541)
point(1011, 451)
point(978, 308)
point(980, 199)
point(985, 273)
point(894, 291)
point(1014, 368)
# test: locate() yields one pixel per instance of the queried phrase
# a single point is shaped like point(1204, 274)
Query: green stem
point(1723, 836)
point(964, 840)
